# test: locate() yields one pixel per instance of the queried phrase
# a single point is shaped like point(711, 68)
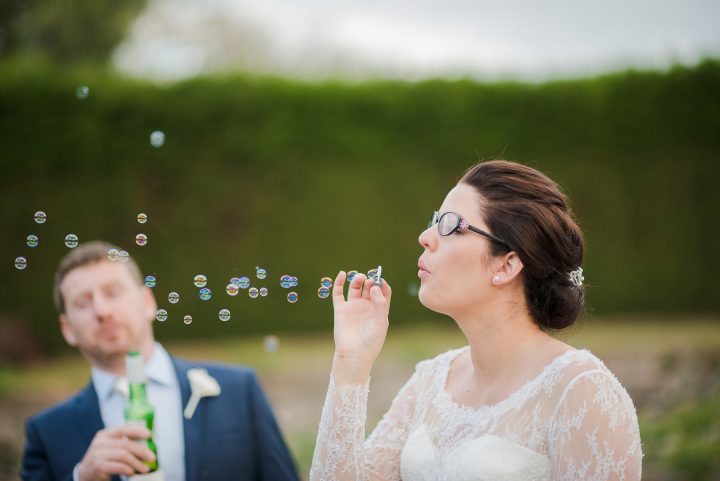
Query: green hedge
point(306, 179)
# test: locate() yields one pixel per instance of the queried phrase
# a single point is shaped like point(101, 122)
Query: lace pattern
point(575, 416)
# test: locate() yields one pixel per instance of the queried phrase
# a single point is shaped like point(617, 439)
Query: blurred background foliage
point(309, 178)
point(67, 32)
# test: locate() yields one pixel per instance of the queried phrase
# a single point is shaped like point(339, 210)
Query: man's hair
point(82, 255)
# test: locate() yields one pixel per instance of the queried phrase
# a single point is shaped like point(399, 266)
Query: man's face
point(107, 312)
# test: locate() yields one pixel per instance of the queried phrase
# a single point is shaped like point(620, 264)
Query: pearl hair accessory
point(576, 277)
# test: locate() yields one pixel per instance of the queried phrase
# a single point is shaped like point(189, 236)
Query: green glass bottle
point(138, 410)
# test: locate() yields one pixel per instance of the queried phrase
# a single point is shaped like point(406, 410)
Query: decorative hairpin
point(576, 277)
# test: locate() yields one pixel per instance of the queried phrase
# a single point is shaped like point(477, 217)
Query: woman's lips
point(423, 270)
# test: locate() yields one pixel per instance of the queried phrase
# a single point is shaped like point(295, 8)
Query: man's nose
point(102, 306)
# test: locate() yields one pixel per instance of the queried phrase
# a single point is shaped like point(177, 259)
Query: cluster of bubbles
point(325, 285)
point(287, 282)
point(270, 342)
point(32, 240)
point(115, 255)
point(141, 239)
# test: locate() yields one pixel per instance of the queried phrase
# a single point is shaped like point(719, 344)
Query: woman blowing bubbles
point(501, 257)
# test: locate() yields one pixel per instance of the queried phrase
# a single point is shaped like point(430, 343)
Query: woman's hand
point(361, 324)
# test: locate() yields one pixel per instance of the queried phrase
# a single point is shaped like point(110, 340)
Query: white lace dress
point(574, 421)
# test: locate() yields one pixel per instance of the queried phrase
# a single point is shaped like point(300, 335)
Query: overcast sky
point(520, 39)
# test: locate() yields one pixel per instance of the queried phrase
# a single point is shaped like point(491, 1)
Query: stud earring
point(496, 279)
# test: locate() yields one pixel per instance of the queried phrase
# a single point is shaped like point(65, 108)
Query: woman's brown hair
point(531, 214)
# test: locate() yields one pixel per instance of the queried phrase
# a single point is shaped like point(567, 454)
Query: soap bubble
point(292, 297)
point(260, 273)
point(285, 281)
point(323, 292)
point(71, 240)
point(263, 291)
point(293, 281)
point(123, 256)
point(82, 92)
point(200, 280)
point(40, 217)
point(235, 280)
point(232, 289)
point(173, 298)
point(271, 343)
point(351, 275)
point(187, 319)
point(141, 239)
point(253, 292)
point(244, 283)
point(224, 315)
point(113, 255)
point(375, 275)
point(161, 315)
point(32, 240)
point(326, 282)
point(157, 138)
point(142, 218)
point(150, 281)
point(20, 263)
point(205, 294)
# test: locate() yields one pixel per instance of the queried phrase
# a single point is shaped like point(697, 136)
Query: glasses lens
point(433, 219)
point(448, 223)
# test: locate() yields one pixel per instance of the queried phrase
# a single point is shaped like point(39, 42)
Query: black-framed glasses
point(450, 222)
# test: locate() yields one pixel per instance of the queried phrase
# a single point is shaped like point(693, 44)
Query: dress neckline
point(513, 398)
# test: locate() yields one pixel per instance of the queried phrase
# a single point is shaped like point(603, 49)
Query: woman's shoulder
point(583, 372)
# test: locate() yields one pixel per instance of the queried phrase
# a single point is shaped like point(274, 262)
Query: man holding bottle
point(106, 312)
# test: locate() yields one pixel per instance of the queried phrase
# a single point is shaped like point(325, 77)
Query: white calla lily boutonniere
point(202, 385)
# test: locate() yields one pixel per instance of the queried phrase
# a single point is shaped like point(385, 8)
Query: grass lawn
point(663, 362)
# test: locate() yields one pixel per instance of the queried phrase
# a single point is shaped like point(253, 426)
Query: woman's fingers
point(356, 287)
point(337, 291)
point(367, 285)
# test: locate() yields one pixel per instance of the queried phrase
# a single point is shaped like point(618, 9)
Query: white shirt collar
point(159, 370)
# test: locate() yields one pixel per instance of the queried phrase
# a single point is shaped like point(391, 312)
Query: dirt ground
point(660, 362)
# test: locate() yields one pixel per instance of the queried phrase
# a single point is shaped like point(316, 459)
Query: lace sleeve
point(341, 451)
point(595, 434)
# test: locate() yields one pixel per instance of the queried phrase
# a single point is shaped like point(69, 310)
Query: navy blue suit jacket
point(231, 436)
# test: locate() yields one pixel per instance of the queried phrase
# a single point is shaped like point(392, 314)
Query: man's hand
point(114, 451)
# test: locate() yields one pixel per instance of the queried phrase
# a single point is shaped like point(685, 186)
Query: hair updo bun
point(529, 211)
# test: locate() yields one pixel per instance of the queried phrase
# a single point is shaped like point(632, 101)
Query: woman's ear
point(506, 271)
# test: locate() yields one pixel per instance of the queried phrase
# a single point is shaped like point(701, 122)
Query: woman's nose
point(426, 237)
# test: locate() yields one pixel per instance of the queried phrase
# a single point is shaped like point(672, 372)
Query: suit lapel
point(87, 414)
point(194, 427)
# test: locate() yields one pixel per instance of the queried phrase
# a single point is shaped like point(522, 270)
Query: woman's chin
point(428, 299)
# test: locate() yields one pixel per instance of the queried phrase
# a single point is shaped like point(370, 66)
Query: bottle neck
point(138, 391)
